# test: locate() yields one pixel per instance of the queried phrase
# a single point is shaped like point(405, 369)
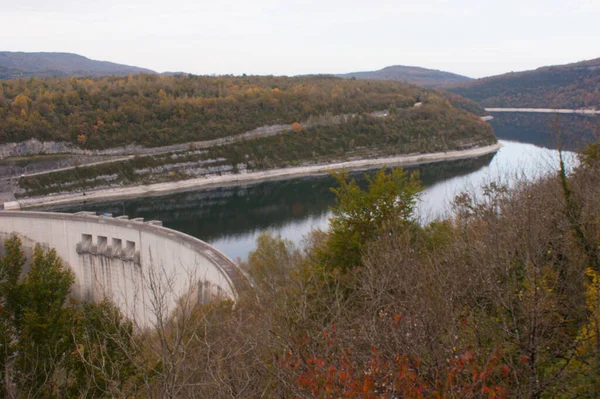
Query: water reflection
point(514, 161)
point(574, 131)
point(231, 219)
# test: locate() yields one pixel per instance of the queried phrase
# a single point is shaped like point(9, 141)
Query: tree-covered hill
point(154, 110)
point(410, 74)
point(14, 65)
point(432, 127)
point(563, 86)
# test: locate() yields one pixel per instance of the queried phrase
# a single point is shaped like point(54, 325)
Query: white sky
point(471, 37)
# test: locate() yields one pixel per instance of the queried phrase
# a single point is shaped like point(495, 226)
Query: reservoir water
point(231, 219)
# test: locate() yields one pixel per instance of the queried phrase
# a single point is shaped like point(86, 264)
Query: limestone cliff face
point(31, 147)
point(35, 147)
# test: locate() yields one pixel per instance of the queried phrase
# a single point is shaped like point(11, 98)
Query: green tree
point(37, 322)
point(104, 351)
point(11, 265)
point(270, 263)
point(360, 215)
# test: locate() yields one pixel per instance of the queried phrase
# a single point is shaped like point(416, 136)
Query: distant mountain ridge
point(573, 86)
point(409, 74)
point(16, 65)
point(588, 64)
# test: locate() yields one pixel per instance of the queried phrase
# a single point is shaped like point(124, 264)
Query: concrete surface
point(143, 267)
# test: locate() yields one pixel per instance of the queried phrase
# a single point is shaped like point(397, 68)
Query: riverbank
point(252, 177)
point(546, 111)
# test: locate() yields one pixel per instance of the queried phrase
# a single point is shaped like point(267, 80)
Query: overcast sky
point(471, 37)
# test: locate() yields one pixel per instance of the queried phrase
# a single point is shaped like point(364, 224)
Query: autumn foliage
point(296, 127)
point(154, 110)
point(500, 301)
point(345, 374)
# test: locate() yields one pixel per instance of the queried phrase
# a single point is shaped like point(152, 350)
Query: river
point(231, 219)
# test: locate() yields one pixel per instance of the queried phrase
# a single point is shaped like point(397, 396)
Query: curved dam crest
point(144, 268)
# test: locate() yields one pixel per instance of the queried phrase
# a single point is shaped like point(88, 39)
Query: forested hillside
point(409, 74)
point(502, 300)
point(433, 127)
point(567, 131)
point(15, 65)
point(570, 86)
point(154, 110)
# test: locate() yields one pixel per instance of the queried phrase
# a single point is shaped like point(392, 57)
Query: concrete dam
point(143, 267)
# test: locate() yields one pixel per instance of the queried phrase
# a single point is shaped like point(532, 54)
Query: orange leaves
point(343, 376)
point(367, 386)
point(397, 318)
point(337, 371)
point(297, 128)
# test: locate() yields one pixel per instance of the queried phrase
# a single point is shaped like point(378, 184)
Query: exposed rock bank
point(249, 177)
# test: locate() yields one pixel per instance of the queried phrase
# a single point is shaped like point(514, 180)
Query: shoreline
point(158, 189)
point(546, 110)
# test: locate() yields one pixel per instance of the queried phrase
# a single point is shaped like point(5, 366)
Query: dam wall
point(143, 267)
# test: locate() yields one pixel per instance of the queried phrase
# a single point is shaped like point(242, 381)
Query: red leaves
point(397, 318)
point(398, 378)
point(335, 370)
point(343, 376)
point(367, 386)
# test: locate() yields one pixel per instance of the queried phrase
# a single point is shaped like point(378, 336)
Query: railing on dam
point(116, 257)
